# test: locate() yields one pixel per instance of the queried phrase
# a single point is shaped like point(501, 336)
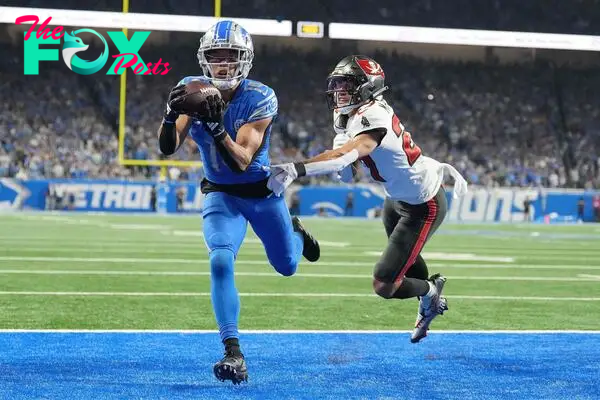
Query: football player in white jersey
point(369, 131)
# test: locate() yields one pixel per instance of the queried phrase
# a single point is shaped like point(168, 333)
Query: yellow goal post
point(163, 164)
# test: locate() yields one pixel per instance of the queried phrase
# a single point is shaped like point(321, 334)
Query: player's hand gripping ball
point(196, 99)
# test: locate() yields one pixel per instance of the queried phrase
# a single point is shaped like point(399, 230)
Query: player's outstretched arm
point(334, 160)
point(171, 135)
point(240, 152)
point(325, 163)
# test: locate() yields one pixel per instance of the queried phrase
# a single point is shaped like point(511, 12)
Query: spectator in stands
point(596, 206)
point(349, 209)
point(580, 209)
point(498, 124)
point(527, 209)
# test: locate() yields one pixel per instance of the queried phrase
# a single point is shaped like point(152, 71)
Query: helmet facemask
point(343, 93)
point(225, 66)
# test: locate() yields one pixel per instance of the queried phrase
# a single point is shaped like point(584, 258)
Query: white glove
point(282, 176)
point(339, 140)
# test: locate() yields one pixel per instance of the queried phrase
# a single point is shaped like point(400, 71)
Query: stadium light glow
point(139, 21)
point(471, 37)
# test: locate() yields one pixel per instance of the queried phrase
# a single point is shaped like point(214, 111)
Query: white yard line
point(296, 295)
point(588, 276)
point(579, 278)
point(265, 262)
point(454, 256)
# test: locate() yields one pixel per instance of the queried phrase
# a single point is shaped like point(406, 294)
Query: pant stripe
point(429, 220)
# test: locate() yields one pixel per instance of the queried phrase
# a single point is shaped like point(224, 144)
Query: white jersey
point(397, 162)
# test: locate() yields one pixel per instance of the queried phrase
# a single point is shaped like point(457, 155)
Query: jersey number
point(412, 151)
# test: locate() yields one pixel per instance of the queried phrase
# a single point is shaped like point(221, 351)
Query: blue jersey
point(251, 102)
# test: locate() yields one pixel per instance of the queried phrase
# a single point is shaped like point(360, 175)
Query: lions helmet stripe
point(223, 30)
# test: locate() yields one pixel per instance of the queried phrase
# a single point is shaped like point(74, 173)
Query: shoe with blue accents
point(430, 307)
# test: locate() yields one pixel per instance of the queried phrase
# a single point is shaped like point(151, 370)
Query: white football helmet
point(226, 35)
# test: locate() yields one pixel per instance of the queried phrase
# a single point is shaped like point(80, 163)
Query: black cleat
point(231, 368)
point(311, 250)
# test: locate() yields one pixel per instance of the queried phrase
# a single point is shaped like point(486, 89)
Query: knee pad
point(219, 240)
point(221, 262)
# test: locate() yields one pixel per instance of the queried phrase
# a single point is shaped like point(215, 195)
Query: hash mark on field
point(580, 278)
point(299, 295)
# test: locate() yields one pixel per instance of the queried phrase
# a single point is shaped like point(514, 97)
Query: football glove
point(211, 115)
point(282, 176)
point(172, 110)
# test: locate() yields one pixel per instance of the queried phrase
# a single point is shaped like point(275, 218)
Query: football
point(197, 92)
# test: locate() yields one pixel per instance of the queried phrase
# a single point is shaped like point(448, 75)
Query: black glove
point(174, 104)
point(211, 110)
point(211, 115)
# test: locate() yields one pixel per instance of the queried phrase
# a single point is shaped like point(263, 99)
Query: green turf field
point(83, 271)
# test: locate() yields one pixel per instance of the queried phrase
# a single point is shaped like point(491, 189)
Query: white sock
point(432, 289)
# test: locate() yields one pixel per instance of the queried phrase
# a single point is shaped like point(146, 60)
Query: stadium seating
point(552, 16)
point(500, 125)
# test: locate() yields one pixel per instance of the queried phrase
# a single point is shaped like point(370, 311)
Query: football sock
point(233, 345)
point(411, 287)
point(431, 290)
point(224, 295)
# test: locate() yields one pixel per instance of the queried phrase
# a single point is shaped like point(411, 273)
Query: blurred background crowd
point(521, 124)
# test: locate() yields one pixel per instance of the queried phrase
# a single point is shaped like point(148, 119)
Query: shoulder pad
point(371, 116)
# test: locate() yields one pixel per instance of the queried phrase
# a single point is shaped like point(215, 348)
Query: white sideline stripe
point(301, 331)
point(580, 278)
point(454, 256)
point(302, 295)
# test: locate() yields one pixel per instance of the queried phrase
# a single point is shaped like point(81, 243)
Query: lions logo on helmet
point(225, 54)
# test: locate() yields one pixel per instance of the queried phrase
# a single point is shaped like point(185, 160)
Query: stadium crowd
point(499, 125)
point(553, 16)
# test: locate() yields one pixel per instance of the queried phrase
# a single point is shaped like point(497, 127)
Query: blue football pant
point(225, 223)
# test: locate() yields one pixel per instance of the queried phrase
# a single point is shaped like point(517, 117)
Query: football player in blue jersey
point(232, 134)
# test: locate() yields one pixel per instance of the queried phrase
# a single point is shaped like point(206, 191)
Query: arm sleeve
point(327, 167)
